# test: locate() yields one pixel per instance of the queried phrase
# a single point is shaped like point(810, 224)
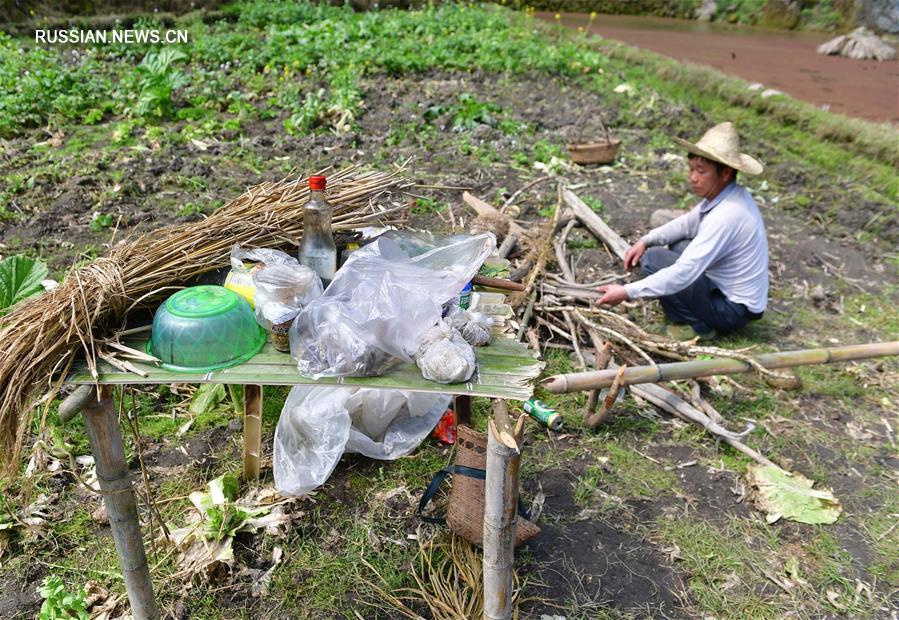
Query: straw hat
point(722, 144)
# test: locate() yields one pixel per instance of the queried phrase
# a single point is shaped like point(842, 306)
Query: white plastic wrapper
point(319, 424)
point(382, 301)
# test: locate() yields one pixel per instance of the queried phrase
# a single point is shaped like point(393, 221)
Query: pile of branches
point(40, 338)
point(562, 308)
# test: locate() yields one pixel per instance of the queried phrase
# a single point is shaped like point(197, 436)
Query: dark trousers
point(701, 305)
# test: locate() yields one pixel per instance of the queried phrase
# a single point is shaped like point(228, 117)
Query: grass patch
point(721, 567)
point(626, 474)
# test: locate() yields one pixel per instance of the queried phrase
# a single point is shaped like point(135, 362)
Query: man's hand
point(633, 255)
point(613, 294)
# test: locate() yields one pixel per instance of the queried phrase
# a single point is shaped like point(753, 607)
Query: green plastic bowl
point(205, 328)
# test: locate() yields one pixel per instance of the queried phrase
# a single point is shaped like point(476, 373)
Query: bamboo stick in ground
point(575, 382)
point(101, 425)
point(600, 416)
point(252, 431)
point(500, 506)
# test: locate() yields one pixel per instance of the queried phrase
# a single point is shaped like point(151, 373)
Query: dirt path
point(786, 61)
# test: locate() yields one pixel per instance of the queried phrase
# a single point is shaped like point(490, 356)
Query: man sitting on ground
point(713, 275)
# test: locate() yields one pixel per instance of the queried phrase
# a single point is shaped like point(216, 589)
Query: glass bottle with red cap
point(317, 249)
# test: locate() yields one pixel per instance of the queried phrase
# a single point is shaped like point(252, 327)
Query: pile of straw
point(448, 575)
point(40, 338)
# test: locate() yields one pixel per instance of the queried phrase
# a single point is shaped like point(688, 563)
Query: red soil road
point(786, 61)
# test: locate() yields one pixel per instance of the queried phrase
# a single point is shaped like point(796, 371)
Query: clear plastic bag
point(319, 424)
point(241, 278)
point(476, 328)
point(282, 290)
point(382, 301)
point(444, 356)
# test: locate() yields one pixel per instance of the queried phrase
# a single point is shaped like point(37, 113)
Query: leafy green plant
point(159, 79)
point(101, 221)
point(594, 203)
point(309, 114)
point(469, 113)
point(60, 604)
point(427, 205)
point(208, 543)
point(20, 278)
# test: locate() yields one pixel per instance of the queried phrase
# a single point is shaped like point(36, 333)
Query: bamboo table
point(506, 370)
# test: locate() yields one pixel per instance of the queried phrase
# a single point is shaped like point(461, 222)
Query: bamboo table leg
point(252, 431)
point(500, 506)
point(463, 410)
point(105, 437)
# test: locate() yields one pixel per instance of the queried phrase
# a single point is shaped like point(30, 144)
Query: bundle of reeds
point(39, 339)
point(448, 582)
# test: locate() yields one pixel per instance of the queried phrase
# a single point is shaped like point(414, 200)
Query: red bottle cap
point(317, 183)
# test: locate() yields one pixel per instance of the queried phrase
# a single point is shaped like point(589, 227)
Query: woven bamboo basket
point(597, 151)
point(465, 513)
point(594, 152)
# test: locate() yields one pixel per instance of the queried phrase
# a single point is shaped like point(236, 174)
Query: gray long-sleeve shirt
point(728, 244)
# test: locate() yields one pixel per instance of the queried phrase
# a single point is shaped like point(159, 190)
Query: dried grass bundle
point(40, 338)
point(448, 574)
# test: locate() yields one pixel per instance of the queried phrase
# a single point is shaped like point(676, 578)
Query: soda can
point(544, 414)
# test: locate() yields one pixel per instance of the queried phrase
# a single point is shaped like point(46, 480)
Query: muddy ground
point(609, 546)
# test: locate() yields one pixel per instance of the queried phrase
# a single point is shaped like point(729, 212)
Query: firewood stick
point(541, 257)
point(483, 208)
point(501, 283)
point(595, 224)
point(559, 247)
point(507, 245)
point(668, 401)
point(575, 341)
point(599, 417)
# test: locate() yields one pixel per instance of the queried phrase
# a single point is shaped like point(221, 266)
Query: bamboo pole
point(500, 508)
point(583, 381)
point(101, 425)
point(252, 431)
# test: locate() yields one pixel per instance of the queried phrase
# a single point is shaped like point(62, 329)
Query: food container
point(280, 334)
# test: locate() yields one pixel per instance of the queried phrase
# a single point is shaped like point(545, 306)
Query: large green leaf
point(206, 398)
point(781, 494)
point(20, 277)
